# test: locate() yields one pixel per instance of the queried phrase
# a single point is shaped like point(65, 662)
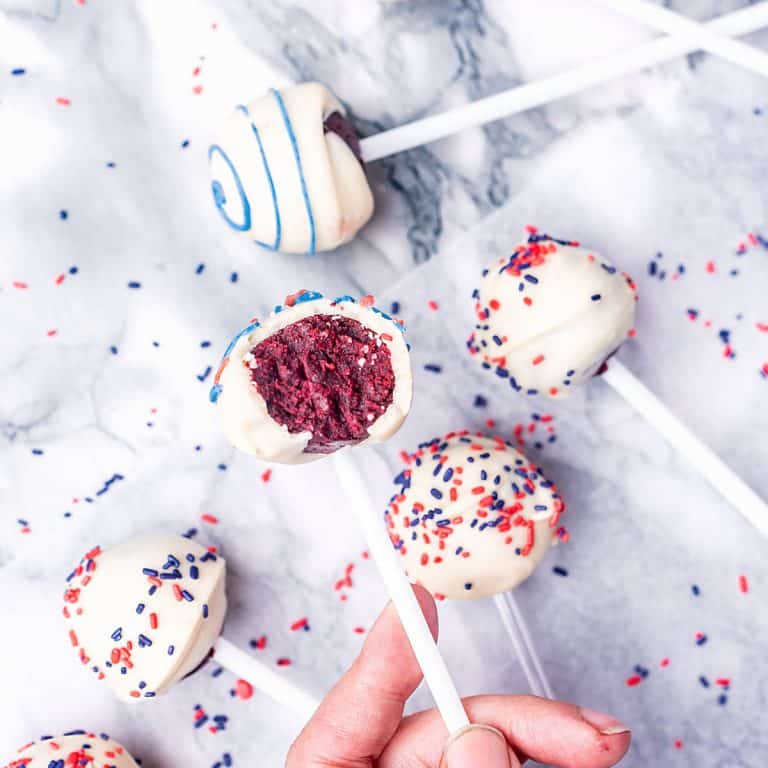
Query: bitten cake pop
point(75, 749)
point(286, 171)
point(314, 376)
point(473, 517)
point(550, 315)
point(146, 613)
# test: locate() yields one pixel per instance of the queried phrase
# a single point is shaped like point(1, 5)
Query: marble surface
point(671, 161)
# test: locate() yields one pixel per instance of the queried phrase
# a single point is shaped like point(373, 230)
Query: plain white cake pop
point(146, 613)
point(286, 171)
point(473, 516)
point(251, 423)
point(550, 315)
point(73, 750)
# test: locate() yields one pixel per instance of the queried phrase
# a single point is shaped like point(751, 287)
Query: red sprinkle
point(360, 630)
point(243, 690)
point(664, 663)
point(283, 662)
point(197, 90)
point(299, 624)
point(634, 680)
point(433, 305)
point(743, 584)
point(711, 267)
point(266, 475)
point(21, 286)
point(261, 643)
point(206, 518)
point(62, 101)
point(678, 744)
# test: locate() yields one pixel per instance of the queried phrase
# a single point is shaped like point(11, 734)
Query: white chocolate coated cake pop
point(473, 516)
point(146, 613)
point(73, 750)
point(550, 315)
point(286, 171)
point(314, 376)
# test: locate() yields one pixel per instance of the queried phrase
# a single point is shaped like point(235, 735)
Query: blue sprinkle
point(37, 451)
point(596, 297)
point(63, 215)
point(695, 589)
point(140, 608)
point(205, 344)
point(468, 586)
point(704, 682)
point(205, 374)
point(110, 165)
point(171, 650)
point(222, 467)
point(438, 494)
point(722, 699)
point(480, 401)
point(185, 143)
point(560, 571)
point(194, 573)
point(134, 284)
point(433, 368)
point(199, 269)
point(18, 71)
point(701, 640)
point(205, 610)
point(233, 277)
point(394, 307)
point(113, 350)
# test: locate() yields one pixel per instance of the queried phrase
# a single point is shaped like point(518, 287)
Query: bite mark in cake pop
point(314, 376)
point(327, 375)
point(473, 516)
point(550, 315)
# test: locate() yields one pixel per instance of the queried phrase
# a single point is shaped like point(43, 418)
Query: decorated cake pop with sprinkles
point(286, 171)
point(314, 376)
point(550, 315)
point(73, 750)
point(472, 516)
point(144, 614)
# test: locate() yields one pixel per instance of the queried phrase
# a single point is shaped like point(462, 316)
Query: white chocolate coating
point(146, 613)
point(550, 315)
point(473, 517)
point(78, 748)
point(284, 181)
point(244, 416)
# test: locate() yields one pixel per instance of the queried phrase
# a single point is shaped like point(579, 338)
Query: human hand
point(360, 723)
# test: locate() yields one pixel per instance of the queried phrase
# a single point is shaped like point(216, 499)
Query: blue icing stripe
point(308, 296)
point(300, 169)
point(345, 297)
point(278, 224)
point(220, 199)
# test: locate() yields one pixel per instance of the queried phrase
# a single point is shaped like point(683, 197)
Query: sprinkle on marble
point(185, 143)
point(210, 519)
point(24, 526)
point(701, 638)
point(558, 570)
point(266, 475)
point(283, 662)
point(433, 367)
point(134, 285)
point(260, 643)
point(300, 624)
point(359, 630)
point(18, 71)
point(62, 101)
point(243, 690)
point(743, 584)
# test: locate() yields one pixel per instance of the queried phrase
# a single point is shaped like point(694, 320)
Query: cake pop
point(314, 376)
point(550, 315)
point(287, 172)
point(73, 749)
point(473, 517)
point(146, 613)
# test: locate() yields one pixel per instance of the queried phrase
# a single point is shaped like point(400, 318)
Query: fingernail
point(476, 745)
point(605, 724)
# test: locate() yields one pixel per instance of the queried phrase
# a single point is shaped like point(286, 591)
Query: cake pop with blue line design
point(313, 377)
point(286, 171)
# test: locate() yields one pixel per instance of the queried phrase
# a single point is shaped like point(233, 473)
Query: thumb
point(360, 715)
point(479, 745)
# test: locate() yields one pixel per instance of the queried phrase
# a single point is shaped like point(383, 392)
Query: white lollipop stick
point(536, 94)
point(703, 458)
point(415, 625)
point(264, 678)
point(517, 629)
point(705, 38)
